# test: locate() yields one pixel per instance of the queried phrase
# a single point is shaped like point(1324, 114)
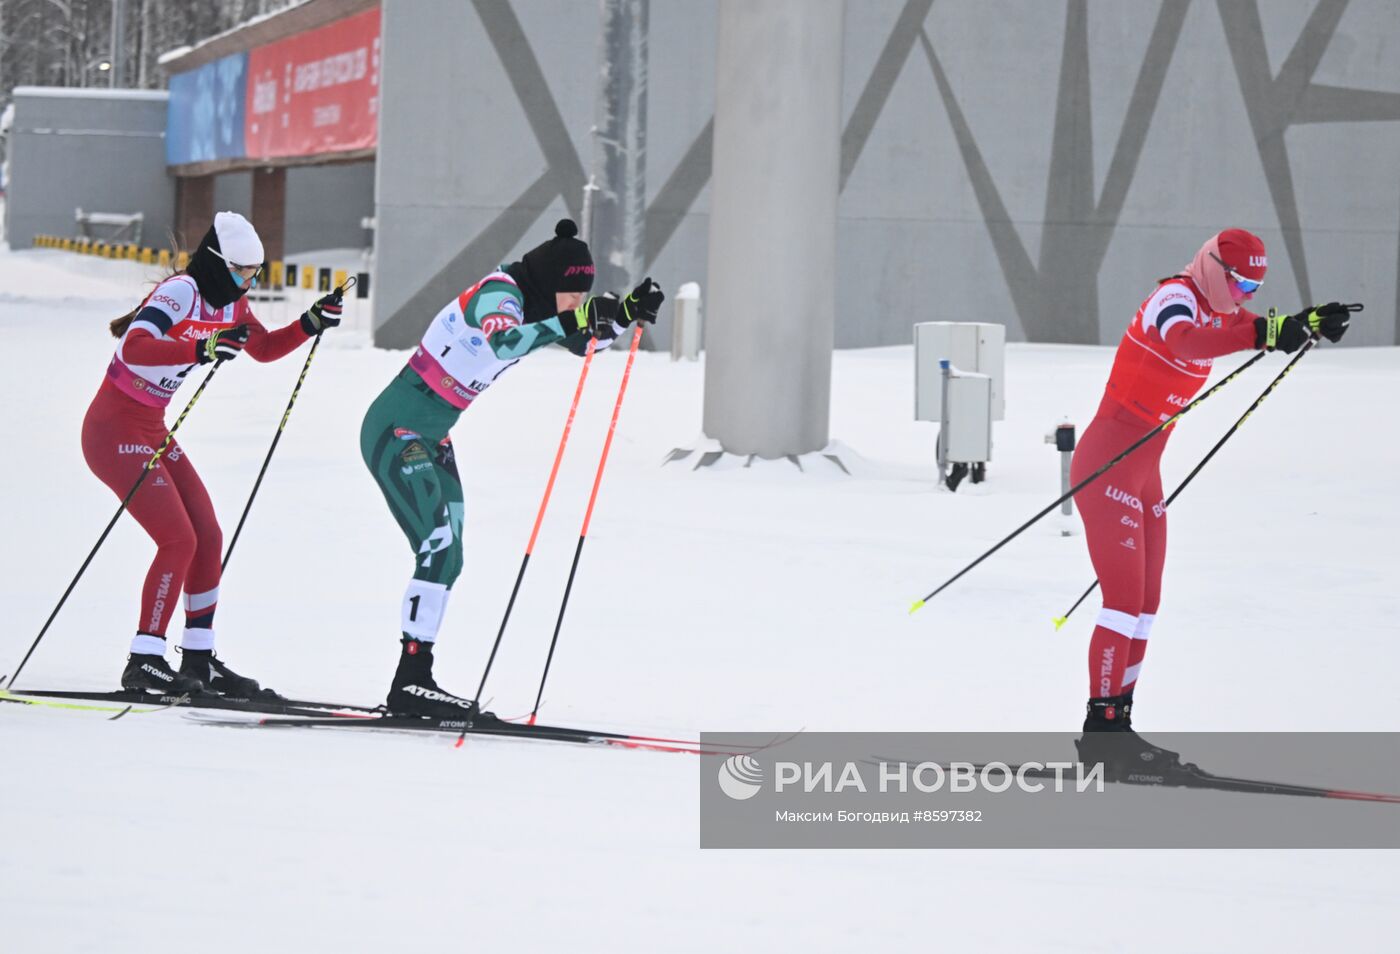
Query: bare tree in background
point(66, 42)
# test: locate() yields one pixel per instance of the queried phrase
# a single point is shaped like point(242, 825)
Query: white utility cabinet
point(975, 347)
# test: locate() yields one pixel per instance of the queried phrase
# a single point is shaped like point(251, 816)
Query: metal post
point(945, 367)
point(118, 51)
point(590, 189)
point(1064, 443)
point(617, 219)
point(1063, 439)
point(686, 333)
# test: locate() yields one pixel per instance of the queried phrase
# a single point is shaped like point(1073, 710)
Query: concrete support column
point(270, 210)
point(194, 209)
point(777, 150)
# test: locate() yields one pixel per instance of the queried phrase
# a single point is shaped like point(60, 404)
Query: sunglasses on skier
point(251, 270)
point(1245, 285)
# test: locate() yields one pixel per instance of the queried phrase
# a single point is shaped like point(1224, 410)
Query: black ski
point(486, 724)
point(268, 703)
point(1191, 776)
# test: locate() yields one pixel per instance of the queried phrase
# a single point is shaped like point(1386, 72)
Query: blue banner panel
point(206, 112)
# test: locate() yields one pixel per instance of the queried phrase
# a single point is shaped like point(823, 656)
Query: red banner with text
point(316, 92)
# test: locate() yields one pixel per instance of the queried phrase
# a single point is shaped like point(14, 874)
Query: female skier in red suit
point(194, 317)
point(1162, 362)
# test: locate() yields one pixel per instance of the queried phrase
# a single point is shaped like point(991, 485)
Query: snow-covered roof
point(174, 54)
point(300, 17)
point(91, 92)
point(180, 51)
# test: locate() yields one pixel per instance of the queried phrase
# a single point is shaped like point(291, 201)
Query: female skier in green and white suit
point(522, 307)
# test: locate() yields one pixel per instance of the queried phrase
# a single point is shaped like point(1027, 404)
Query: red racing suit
point(1162, 362)
point(125, 425)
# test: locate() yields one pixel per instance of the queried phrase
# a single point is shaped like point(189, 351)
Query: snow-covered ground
point(736, 599)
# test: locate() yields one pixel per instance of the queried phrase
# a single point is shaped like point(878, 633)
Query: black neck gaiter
point(211, 274)
point(539, 301)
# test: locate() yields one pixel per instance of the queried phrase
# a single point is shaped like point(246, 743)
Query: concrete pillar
point(270, 210)
point(777, 151)
point(194, 209)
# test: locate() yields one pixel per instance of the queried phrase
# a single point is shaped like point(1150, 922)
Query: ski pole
point(301, 378)
point(539, 518)
point(150, 465)
point(1061, 620)
point(1090, 479)
point(587, 517)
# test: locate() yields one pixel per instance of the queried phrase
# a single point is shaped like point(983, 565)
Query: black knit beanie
point(562, 264)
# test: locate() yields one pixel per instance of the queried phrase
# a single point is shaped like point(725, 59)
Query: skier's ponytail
point(118, 326)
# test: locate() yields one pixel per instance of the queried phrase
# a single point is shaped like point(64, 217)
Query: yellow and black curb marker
point(280, 274)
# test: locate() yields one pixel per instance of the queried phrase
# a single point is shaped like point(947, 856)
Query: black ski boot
point(1126, 756)
point(147, 672)
point(203, 665)
point(415, 693)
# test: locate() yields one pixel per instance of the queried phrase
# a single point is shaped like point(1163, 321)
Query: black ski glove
point(1276, 332)
point(322, 315)
point(223, 345)
point(642, 303)
point(1330, 320)
point(597, 315)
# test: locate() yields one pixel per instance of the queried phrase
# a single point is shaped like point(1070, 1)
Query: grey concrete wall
point(1032, 162)
point(324, 203)
point(99, 150)
point(480, 138)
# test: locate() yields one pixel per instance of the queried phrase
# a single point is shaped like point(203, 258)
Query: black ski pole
point(301, 379)
point(1061, 620)
point(150, 465)
point(1090, 479)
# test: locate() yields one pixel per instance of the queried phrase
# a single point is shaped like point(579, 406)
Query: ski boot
point(1126, 756)
point(203, 665)
point(414, 692)
point(147, 672)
